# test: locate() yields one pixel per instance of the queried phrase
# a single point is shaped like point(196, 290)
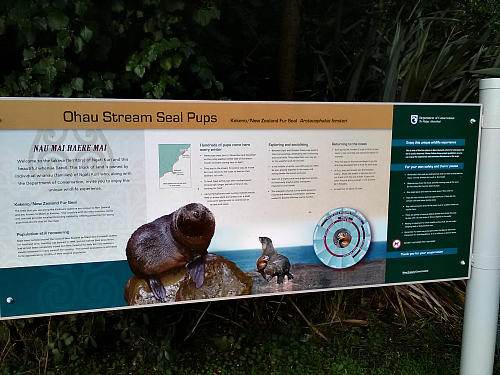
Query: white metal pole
point(483, 288)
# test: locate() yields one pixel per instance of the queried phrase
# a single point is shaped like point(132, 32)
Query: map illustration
point(174, 165)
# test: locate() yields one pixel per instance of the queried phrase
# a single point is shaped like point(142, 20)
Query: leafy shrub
point(88, 48)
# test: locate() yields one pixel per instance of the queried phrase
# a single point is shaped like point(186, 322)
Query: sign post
point(483, 288)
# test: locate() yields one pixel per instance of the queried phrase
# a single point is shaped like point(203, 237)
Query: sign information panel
point(115, 203)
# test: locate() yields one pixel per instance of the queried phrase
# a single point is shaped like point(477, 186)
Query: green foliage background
point(90, 48)
point(357, 50)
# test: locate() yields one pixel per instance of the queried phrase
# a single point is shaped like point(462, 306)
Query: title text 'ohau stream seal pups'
point(273, 263)
point(174, 240)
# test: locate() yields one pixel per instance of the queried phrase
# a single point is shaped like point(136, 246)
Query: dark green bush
point(87, 48)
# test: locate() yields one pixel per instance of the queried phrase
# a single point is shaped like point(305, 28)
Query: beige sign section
point(41, 113)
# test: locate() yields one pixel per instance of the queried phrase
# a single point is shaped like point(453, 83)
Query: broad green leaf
point(98, 83)
point(158, 92)
point(60, 65)
point(80, 8)
point(36, 88)
point(118, 6)
point(207, 85)
point(68, 340)
point(108, 85)
point(66, 90)
point(50, 73)
point(158, 35)
point(63, 38)
point(174, 43)
point(215, 13)
point(24, 81)
point(140, 70)
point(57, 20)
point(171, 80)
point(58, 358)
point(86, 34)
point(77, 84)
point(96, 93)
point(60, 4)
point(29, 53)
point(151, 56)
point(24, 23)
point(147, 86)
point(109, 75)
point(129, 65)
point(195, 67)
point(40, 23)
point(57, 51)
point(173, 5)
point(41, 66)
point(187, 51)
point(206, 74)
point(202, 16)
point(173, 20)
point(73, 68)
point(150, 25)
point(78, 44)
point(30, 36)
point(166, 63)
point(176, 60)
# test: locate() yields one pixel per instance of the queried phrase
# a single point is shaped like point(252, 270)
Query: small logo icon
point(396, 244)
point(472, 120)
point(414, 119)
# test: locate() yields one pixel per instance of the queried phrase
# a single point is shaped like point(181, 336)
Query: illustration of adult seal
point(272, 263)
point(174, 240)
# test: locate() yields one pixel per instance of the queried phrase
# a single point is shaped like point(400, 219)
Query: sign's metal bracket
point(486, 262)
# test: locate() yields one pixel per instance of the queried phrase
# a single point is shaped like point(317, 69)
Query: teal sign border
point(63, 288)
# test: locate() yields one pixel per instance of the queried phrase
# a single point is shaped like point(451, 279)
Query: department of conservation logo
point(414, 119)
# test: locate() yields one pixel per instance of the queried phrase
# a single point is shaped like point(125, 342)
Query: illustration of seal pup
point(277, 264)
point(261, 265)
point(174, 240)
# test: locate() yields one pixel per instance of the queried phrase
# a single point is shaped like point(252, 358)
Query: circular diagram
point(342, 237)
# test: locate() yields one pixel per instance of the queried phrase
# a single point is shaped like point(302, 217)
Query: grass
point(343, 332)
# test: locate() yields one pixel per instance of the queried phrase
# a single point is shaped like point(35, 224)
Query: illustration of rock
point(272, 263)
point(312, 277)
point(222, 279)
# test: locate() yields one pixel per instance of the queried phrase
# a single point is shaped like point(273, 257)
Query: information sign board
point(115, 203)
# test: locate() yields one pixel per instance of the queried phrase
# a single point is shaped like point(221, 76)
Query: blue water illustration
point(245, 259)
